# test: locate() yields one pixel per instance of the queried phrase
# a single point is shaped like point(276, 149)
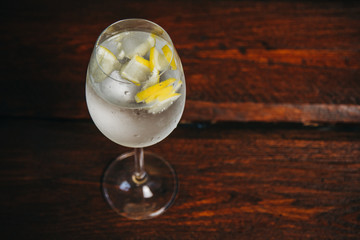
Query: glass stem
point(140, 173)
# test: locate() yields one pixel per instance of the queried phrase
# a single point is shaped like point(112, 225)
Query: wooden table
point(268, 146)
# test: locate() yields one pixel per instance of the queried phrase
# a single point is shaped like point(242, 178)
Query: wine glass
point(135, 93)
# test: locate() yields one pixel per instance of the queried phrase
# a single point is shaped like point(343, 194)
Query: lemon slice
point(167, 82)
point(137, 70)
point(157, 60)
point(151, 93)
point(161, 95)
point(169, 56)
point(107, 62)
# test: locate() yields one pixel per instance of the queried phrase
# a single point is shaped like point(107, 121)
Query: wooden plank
point(236, 181)
point(234, 54)
point(260, 112)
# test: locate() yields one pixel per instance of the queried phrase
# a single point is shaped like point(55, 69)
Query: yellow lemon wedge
point(107, 61)
point(167, 82)
point(137, 70)
point(151, 93)
point(161, 95)
point(169, 56)
point(157, 60)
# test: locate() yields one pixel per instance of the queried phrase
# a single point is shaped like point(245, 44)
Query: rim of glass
point(97, 43)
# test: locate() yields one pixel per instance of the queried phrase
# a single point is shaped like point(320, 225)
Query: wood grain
point(234, 54)
point(236, 181)
point(256, 73)
point(313, 114)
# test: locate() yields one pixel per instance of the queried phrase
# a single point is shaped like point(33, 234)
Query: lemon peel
point(157, 60)
point(160, 95)
point(169, 56)
point(143, 61)
point(158, 90)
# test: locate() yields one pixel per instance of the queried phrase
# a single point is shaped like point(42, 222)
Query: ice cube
point(113, 46)
point(137, 43)
point(118, 90)
point(116, 75)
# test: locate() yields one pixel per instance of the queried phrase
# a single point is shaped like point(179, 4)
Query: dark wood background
point(268, 146)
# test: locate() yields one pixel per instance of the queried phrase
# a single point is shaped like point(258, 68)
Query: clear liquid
point(114, 111)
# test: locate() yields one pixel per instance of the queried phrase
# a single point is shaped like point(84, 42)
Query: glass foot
point(140, 198)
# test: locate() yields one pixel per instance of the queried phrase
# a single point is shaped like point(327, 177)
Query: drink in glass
point(135, 93)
